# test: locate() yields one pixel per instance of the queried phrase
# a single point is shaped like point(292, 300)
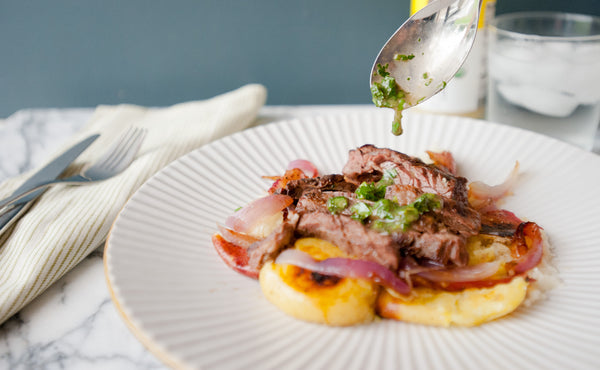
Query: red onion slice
point(477, 272)
point(298, 258)
point(482, 195)
point(528, 236)
point(307, 167)
point(240, 239)
point(345, 267)
point(246, 218)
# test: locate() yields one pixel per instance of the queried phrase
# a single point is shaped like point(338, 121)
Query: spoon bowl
point(425, 53)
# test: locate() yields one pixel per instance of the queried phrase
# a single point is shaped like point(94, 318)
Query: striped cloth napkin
point(68, 222)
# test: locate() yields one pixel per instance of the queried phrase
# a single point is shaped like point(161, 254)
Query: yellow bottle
point(465, 94)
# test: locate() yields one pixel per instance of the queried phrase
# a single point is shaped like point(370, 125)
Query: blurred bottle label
point(465, 94)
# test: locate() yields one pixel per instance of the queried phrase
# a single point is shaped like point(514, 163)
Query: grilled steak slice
point(431, 239)
point(403, 194)
point(457, 217)
point(443, 247)
point(316, 201)
point(268, 248)
point(368, 163)
point(350, 236)
point(462, 220)
point(439, 235)
point(336, 182)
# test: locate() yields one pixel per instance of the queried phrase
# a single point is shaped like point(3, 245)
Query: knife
point(49, 172)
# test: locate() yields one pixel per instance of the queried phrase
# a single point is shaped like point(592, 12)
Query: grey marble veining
point(29, 136)
point(74, 324)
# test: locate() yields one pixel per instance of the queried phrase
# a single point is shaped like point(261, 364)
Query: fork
point(116, 159)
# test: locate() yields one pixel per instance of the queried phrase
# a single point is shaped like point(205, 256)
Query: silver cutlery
point(116, 159)
point(49, 172)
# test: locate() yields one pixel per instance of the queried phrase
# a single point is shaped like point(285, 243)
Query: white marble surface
point(74, 324)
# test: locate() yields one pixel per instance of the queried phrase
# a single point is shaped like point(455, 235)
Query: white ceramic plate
point(191, 310)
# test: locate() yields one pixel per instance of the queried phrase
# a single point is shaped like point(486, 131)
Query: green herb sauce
point(404, 57)
point(384, 214)
point(360, 211)
point(428, 80)
point(388, 94)
point(336, 205)
point(375, 191)
point(389, 216)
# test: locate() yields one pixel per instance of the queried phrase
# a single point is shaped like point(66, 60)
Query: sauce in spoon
point(423, 55)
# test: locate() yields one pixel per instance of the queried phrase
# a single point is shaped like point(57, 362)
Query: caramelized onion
point(499, 222)
point(345, 267)
point(527, 240)
point(305, 166)
point(256, 212)
point(482, 196)
point(529, 235)
point(234, 256)
point(444, 160)
point(281, 181)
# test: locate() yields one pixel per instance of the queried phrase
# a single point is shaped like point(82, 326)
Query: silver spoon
point(423, 55)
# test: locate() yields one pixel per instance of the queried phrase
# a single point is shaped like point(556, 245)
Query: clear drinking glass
point(544, 74)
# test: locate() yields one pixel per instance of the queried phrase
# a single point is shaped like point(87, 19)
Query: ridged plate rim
point(191, 311)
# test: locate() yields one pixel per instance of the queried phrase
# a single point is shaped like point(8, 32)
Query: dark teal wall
point(77, 53)
point(591, 7)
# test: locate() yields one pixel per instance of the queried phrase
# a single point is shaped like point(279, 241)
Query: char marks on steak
point(335, 182)
point(368, 163)
point(439, 235)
